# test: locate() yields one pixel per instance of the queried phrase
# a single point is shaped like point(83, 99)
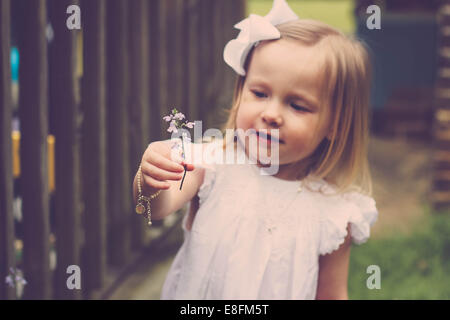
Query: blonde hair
point(342, 159)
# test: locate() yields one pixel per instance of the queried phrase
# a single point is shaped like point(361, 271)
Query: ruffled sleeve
point(355, 208)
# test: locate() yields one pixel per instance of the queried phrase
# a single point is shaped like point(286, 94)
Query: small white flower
point(179, 116)
point(176, 123)
point(172, 129)
point(9, 281)
point(190, 125)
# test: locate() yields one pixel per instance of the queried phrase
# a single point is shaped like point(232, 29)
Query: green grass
point(337, 13)
point(414, 266)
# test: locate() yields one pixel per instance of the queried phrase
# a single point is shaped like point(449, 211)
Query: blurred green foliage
point(415, 266)
point(337, 13)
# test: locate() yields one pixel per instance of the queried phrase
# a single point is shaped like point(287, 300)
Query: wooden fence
point(101, 91)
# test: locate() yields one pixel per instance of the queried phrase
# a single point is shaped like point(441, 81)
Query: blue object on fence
point(14, 64)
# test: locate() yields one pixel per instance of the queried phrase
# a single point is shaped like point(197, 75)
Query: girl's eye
point(299, 108)
point(259, 94)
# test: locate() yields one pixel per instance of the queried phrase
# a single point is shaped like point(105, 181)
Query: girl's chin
point(264, 157)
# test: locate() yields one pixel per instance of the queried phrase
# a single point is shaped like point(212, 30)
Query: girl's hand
point(157, 167)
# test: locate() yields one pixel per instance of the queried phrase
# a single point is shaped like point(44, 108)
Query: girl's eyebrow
point(258, 81)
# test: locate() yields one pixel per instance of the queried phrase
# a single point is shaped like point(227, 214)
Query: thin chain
point(143, 199)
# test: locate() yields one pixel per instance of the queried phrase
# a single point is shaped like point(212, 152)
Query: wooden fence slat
point(184, 56)
point(175, 52)
point(163, 85)
point(205, 43)
point(139, 100)
point(141, 58)
point(64, 106)
point(154, 69)
point(119, 180)
point(93, 89)
point(33, 77)
point(235, 12)
point(219, 95)
point(193, 58)
point(6, 174)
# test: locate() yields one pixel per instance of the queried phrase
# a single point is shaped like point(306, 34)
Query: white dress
point(258, 237)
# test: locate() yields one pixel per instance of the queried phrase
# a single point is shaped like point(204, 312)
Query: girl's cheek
point(246, 98)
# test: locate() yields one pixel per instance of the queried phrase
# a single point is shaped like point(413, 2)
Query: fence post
point(64, 102)
point(139, 100)
point(163, 85)
point(154, 45)
point(33, 77)
point(175, 52)
point(192, 62)
point(119, 180)
point(234, 12)
point(205, 43)
point(94, 148)
point(6, 175)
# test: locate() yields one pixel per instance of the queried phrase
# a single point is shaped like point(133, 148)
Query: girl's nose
point(272, 115)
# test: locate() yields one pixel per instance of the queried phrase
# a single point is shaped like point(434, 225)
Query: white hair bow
point(254, 29)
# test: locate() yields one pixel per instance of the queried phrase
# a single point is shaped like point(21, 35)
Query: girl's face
point(282, 91)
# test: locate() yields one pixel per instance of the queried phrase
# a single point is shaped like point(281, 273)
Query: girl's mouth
point(267, 138)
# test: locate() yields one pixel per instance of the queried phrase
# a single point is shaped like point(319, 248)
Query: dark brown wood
point(6, 175)
point(64, 102)
point(440, 197)
point(94, 164)
point(192, 60)
point(219, 95)
point(175, 52)
point(206, 43)
point(228, 33)
point(33, 111)
point(154, 44)
point(139, 100)
point(119, 181)
point(443, 82)
point(182, 27)
point(163, 86)
point(150, 56)
point(185, 58)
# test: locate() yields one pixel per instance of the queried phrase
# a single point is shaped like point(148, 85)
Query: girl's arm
point(333, 272)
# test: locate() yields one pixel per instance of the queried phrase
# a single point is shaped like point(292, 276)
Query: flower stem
point(185, 167)
point(184, 175)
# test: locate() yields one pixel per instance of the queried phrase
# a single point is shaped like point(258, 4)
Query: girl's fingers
point(160, 174)
point(189, 167)
point(156, 184)
point(160, 161)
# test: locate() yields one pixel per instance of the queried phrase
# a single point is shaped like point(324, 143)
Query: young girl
point(287, 235)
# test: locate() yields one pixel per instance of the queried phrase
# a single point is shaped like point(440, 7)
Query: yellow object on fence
point(50, 156)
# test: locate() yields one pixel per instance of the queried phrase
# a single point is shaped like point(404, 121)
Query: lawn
point(337, 13)
point(415, 266)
